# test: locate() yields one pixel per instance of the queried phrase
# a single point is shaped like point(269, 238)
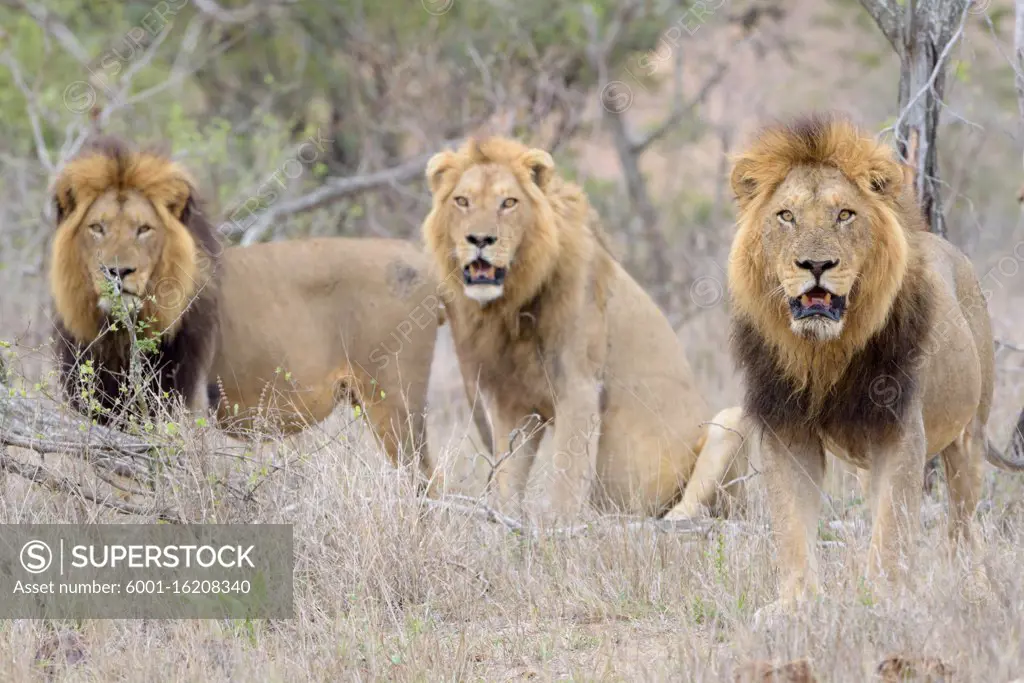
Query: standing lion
point(858, 332)
point(133, 276)
point(148, 302)
point(551, 328)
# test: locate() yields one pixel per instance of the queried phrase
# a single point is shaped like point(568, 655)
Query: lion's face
point(128, 232)
point(491, 221)
point(816, 234)
point(489, 216)
point(121, 239)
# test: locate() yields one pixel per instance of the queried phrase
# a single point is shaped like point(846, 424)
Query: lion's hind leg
point(398, 420)
point(721, 464)
point(962, 460)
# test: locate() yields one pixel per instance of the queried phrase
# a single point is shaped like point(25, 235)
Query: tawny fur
point(911, 371)
point(572, 340)
point(309, 325)
point(179, 299)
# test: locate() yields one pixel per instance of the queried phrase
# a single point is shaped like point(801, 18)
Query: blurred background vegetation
point(314, 117)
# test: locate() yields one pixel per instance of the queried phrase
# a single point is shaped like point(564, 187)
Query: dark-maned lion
point(133, 258)
point(858, 332)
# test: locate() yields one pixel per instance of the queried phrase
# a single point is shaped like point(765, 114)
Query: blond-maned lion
point(133, 258)
point(551, 328)
point(858, 332)
point(308, 325)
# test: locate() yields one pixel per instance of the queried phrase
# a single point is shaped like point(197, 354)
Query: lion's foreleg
point(896, 497)
point(574, 463)
point(517, 438)
point(794, 468)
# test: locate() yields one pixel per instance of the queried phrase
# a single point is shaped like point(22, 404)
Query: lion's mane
point(857, 386)
point(183, 303)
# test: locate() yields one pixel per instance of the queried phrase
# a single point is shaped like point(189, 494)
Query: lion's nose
point(481, 241)
point(817, 267)
point(117, 273)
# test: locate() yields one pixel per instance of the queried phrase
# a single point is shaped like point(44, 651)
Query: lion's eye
point(786, 216)
point(143, 229)
point(462, 201)
point(846, 215)
point(96, 229)
point(509, 203)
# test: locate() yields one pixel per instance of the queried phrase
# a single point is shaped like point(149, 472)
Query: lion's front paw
point(684, 511)
point(508, 506)
point(558, 511)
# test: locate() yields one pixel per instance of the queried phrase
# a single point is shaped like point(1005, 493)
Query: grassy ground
point(389, 588)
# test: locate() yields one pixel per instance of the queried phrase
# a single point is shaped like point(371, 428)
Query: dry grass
point(390, 588)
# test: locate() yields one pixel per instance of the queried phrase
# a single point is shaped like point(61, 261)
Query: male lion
point(282, 331)
point(858, 332)
point(550, 327)
point(133, 261)
point(310, 324)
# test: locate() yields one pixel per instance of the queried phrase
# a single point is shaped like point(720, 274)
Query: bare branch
point(54, 482)
point(886, 14)
point(681, 111)
point(241, 15)
point(54, 26)
point(697, 529)
point(940, 66)
point(40, 425)
point(42, 151)
point(120, 99)
point(335, 190)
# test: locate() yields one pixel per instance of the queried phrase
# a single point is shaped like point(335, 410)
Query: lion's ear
point(181, 202)
point(438, 166)
point(187, 209)
point(886, 177)
point(743, 180)
point(540, 165)
point(63, 200)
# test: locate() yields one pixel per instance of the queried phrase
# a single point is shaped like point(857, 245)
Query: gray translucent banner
point(145, 571)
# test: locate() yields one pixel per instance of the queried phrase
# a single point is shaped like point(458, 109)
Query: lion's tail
point(1013, 458)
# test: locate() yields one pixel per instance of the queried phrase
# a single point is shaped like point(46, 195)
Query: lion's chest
point(511, 365)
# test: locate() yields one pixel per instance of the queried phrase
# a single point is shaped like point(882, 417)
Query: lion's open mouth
point(480, 272)
point(818, 302)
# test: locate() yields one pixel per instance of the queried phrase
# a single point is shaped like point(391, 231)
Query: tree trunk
point(922, 32)
point(1018, 55)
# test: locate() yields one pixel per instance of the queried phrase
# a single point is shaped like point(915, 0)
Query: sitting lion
point(858, 332)
point(311, 324)
point(549, 327)
point(133, 278)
